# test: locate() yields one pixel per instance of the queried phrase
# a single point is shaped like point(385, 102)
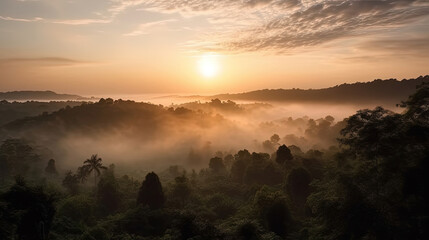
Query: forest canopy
point(371, 184)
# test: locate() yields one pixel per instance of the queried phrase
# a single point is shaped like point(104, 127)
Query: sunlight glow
point(208, 65)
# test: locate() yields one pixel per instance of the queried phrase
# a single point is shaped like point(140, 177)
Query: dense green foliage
point(374, 185)
point(150, 193)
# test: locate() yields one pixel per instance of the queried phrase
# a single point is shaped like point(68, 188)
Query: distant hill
point(389, 91)
point(142, 120)
point(10, 111)
point(38, 95)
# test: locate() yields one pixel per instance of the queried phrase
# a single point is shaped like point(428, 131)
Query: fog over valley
point(214, 120)
point(104, 167)
point(185, 132)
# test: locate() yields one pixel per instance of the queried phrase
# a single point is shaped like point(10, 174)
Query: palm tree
point(94, 165)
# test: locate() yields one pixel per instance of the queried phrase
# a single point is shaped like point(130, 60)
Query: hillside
point(389, 91)
point(10, 111)
point(142, 120)
point(38, 95)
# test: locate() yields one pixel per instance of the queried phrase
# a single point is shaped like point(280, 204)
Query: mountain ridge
point(389, 90)
point(39, 95)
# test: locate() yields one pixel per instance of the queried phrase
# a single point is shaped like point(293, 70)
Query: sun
point(208, 65)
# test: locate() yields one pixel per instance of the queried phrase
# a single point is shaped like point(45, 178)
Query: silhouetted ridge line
point(127, 116)
point(38, 95)
point(387, 91)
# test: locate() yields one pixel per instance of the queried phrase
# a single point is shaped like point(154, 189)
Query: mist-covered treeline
point(131, 133)
point(10, 111)
point(361, 178)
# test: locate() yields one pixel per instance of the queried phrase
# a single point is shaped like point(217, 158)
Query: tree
point(417, 104)
point(194, 177)
point(216, 165)
point(94, 165)
point(342, 211)
point(295, 150)
point(271, 174)
point(151, 192)
point(33, 210)
point(82, 174)
point(228, 159)
point(271, 145)
point(298, 187)
point(108, 196)
point(243, 155)
point(17, 158)
point(238, 168)
point(283, 155)
point(273, 210)
point(255, 171)
point(79, 209)
point(365, 131)
point(275, 138)
point(51, 168)
point(71, 183)
point(377, 187)
point(181, 189)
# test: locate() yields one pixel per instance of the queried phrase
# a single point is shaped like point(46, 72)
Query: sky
point(208, 46)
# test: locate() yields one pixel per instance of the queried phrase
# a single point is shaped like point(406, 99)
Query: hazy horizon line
point(195, 94)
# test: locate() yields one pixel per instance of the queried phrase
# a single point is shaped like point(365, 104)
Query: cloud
point(279, 26)
point(282, 25)
point(412, 46)
point(36, 19)
point(106, 15)
point(66, 22)
point(82, 21)
point(121, 5)
point(45, 61)
point(325, 22)
point(388, 49)
point(206, 6)
point(145, 28)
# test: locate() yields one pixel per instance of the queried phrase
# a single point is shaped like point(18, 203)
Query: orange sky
point(158, 46)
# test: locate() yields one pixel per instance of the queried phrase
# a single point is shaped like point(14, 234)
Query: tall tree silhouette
point(82, 174)
point(108, 195)
point(71, 182)
point(283, 155)
point(298, 187)
point(94, 165)
point(216, 165)
point(181, 190)
point(51, 168)
point(150, 192)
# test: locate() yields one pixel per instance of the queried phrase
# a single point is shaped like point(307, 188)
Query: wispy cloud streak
point(145, 28)
point(36, 19)
point(278, 26)
point(282, 25)
point(45, 61)
point(82, 21)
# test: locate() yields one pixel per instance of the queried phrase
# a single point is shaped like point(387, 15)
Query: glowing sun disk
point(208, 65)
